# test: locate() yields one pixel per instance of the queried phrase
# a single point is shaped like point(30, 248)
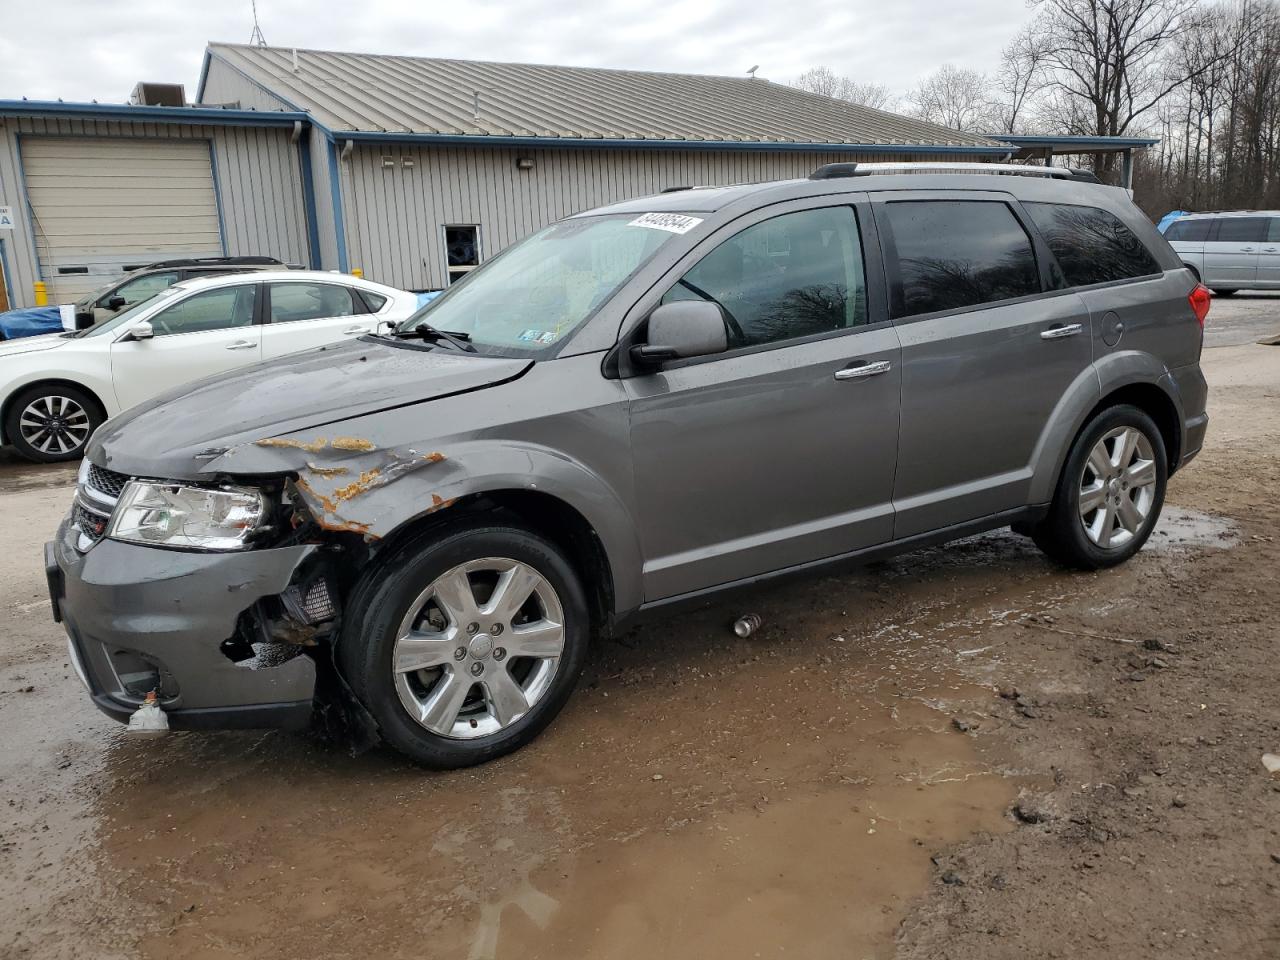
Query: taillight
point(1199, 300)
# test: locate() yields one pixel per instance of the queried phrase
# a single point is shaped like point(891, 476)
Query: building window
point(461, 250)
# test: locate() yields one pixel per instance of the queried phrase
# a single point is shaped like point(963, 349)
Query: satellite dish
point(752, 71)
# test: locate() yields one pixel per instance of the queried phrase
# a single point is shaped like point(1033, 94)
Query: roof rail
point(834, 171)
point(212, 262)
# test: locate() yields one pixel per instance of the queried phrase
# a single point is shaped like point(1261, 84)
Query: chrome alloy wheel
point(1117, 487)
point(478, 648)
point(53, 424)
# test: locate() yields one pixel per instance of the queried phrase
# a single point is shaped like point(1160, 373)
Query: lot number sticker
point(671, 222)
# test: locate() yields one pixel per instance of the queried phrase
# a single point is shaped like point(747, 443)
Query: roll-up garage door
point(103, 205)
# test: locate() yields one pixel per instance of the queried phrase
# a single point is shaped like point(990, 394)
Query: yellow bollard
point(357, 272)
point(42, 293)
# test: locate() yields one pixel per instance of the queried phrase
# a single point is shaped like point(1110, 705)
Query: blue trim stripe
point(4, 277)
point(275, 95)
point(309, 201)
point(551, 143)
point(1076, 141)
point(217, 196)
point(335, 195)
point(26, 203)
point(204, 76)
point(121, 111)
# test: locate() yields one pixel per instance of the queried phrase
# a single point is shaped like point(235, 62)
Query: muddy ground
point(964, 753)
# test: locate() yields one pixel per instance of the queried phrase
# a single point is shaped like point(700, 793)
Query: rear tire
point(1110, 493)
point(52, 423)
point(434, 649)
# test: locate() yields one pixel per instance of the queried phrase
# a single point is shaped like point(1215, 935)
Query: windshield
point(535, 294)
point(106, 326)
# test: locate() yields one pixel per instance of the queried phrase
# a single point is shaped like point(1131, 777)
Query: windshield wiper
point(425, 331)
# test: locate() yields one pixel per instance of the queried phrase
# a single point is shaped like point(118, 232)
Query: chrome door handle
point(352, 331)
point(1271, 249)
point(1064, 330)
point(241, 345)
point(863, 370)
point(1246, 249)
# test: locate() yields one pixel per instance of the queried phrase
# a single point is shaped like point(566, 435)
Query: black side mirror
point(685, 328)
point(115, 303)
point(84, 321)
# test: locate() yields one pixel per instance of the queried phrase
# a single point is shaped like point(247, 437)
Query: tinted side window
point(1242, 229)
point(142, 288)
point(1274, 234)
point(309, 301)
point(374, 301)
point(1091, 245)
point(959, 253)
point(209, 310)
point(792, 276)
point(1190, 231)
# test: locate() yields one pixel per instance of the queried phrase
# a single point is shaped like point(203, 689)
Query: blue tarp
point(30, 322)
point(425, 298)
point(1168, 218)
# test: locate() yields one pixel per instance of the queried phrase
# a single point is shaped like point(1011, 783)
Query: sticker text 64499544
point(671, 222)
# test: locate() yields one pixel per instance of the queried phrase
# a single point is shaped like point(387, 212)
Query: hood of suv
point(172, 436)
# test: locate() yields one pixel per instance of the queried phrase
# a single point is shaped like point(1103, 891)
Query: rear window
point(374, 301)
point(958, 253)
point(1242, 230)
point(1091, 245)
point(1189, 231)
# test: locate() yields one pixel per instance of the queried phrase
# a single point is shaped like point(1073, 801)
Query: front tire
point(464, 644)
point(52, 423)
point(1110, 493)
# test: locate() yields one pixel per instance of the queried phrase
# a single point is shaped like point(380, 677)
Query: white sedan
point(55, 390)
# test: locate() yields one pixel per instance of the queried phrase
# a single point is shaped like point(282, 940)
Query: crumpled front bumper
point(167, 610)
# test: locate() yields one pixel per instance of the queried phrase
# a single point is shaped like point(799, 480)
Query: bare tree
point(954, 97)
point(828, 83)
point(1108, 58)
point(1023, 74)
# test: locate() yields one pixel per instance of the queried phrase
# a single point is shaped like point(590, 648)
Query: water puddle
point(1181, 529)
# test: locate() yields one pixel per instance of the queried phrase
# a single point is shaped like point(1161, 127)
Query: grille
point(106, 481)
point(91, 525)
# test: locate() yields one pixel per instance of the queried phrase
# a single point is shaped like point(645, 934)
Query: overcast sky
point(98, 49)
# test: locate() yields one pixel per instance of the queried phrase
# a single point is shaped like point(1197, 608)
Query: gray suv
point(643, 406)
point(1230, 252)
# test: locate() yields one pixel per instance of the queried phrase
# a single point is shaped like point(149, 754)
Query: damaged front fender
point(351, 485)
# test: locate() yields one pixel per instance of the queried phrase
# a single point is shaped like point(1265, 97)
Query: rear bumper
point(1193, 432)
point(1192, 394)
point(140, 617)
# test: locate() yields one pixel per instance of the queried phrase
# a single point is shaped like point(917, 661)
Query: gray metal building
point(411, 170)
point(95, 188)
point(409, 152)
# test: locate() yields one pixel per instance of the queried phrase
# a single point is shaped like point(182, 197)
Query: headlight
point(173, 515)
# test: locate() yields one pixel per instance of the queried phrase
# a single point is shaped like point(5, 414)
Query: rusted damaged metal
point(326, 514)
point(351, 444)
point(326, 501)
point(315, 446)
point(440, 503)
point(320, 471)
point(356, 444)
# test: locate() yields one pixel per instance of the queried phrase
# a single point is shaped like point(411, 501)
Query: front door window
point(215, 309)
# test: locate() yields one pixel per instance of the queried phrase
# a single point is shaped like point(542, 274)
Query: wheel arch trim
point(1130, 376)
